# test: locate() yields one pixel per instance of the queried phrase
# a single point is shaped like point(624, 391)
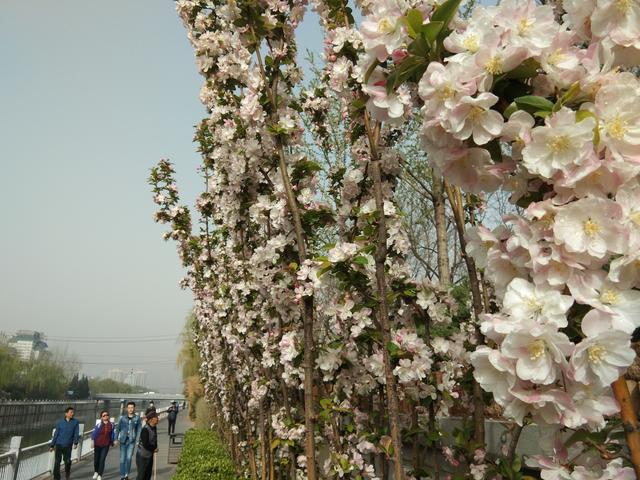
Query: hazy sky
point(92, 94)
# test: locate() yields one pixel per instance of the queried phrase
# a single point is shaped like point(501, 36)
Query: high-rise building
point(116, 374)
point(29, 344)
point(137, 378)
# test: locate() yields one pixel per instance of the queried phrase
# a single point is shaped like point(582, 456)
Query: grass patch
point(204, 456)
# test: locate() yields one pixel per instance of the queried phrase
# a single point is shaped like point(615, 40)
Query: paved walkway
point(84, 469)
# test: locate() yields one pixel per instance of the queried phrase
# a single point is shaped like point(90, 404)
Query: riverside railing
point(31, 462)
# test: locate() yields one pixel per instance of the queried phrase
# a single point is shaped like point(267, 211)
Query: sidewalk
point(84, 469)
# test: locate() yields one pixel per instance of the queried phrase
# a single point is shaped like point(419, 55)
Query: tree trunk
point(457, 205)
point(439, 210)
point(383, 308)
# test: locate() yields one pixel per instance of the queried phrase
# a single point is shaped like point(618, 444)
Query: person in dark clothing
point(172, 416)
point(147, 446)
point(103, 437)
point(66, 434)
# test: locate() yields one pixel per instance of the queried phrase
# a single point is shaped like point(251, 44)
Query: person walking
point(172, 416)
point(66, 434)
point(147, 447)
point(127, 431)
point(102, 437)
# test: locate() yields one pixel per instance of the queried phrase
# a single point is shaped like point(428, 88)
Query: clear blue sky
point(92, 94)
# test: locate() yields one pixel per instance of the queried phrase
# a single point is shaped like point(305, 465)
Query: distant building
point(136, 378)
point(116, 374)
point(29, 344)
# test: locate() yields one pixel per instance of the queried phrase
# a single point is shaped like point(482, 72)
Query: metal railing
point(31, 462)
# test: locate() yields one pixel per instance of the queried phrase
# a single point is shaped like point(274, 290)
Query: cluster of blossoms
point(514, 98)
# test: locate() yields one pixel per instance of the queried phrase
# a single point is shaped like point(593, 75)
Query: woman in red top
point(103, 436)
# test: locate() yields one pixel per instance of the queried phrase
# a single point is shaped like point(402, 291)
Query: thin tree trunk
point(439, 210)
point(383, 308)
point(456, 202)
point(307, 314)
point(252, 454)
point(264, 460)
point(629, 421)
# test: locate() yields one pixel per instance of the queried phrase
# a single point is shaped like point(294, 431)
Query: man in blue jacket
point(66, 434)
point(127, 431)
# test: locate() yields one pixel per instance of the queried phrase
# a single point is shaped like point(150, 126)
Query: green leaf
point(393, 349)
point(414, 22)
point(420, 46)
point(445, 12)
point(510, 110)
point(533, 104)
point(411, 69)
point(370, 70)
point(517, 464)
point(578, 436)
point(526, 69)
point(494, 149)
point(325, 403)
point(275, 443)
point(360, 260)
point(431, 30)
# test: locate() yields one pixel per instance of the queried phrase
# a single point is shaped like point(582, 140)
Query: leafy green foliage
point(204, 456)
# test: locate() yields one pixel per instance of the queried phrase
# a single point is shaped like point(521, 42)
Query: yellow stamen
point(596, 353)
point(524, 25)
point(609, 296)
point(475, 113)
point(623, 6)
point(534, 305)
point(386, 26)
point(446, 93)
point(471, 43)
point(536, 349)
point(494, 65)
point(617, 128)
point(591, 228)
point(556, 57)
point(559, 144)
point(635, 217)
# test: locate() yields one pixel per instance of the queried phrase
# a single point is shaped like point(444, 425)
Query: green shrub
point(204, 457)
point(204, 419)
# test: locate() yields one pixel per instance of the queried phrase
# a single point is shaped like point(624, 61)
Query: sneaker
point(99, 477)
point(95, 475)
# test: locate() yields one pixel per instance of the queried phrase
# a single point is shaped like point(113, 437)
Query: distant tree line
point(52, 376)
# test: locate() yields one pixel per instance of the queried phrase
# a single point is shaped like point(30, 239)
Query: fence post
point(81, 431)
point(52, 455)
point(15, 448)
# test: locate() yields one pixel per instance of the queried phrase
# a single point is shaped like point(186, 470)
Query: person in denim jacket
point(127, 431)
point(102, 437)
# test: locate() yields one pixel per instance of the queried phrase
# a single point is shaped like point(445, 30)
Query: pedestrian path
point(164, 470)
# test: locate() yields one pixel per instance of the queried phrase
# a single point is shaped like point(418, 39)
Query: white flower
point(590, 225)
point(538, 357)
point(494, 372)
point(617, 111)
point(525, 301)
point(560, 145)
point(602, 359)
point(342, 251)
point(618, 19)
point(474, 117)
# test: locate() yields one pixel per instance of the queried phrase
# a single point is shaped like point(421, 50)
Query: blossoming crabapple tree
point(514, 99)
point(310, 347)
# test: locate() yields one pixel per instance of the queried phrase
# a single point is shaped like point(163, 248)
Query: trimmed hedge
point(204, 457)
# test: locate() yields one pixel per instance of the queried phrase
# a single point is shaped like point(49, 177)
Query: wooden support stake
point(629, 421)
